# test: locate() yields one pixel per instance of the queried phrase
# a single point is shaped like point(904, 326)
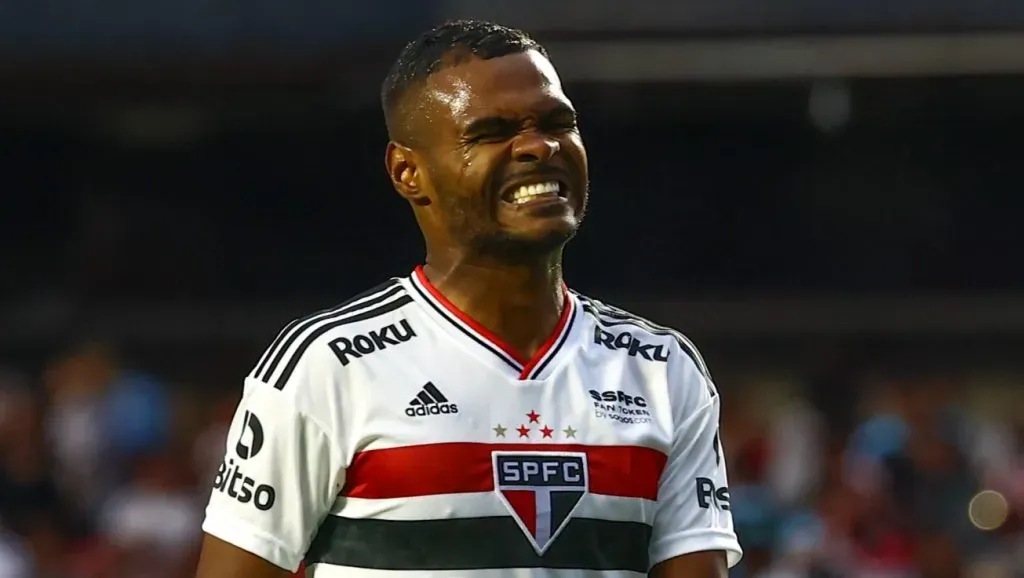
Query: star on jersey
point(524, 429)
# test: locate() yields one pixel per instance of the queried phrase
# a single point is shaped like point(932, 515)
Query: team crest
point(541, 490)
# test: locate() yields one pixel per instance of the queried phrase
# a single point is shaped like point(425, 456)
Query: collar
point(493, 348)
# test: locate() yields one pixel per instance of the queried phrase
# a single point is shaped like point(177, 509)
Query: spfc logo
point(541, 490)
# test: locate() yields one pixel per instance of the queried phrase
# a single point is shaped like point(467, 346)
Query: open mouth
point(543, 191)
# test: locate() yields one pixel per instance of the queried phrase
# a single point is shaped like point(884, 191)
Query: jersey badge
point(541, 490)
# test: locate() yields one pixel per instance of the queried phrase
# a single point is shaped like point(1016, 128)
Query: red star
point(534, 416)
point(546, 431)
point(524, 432)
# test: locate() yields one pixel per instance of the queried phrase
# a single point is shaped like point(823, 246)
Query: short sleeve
point(693, 511)
point(278, 480)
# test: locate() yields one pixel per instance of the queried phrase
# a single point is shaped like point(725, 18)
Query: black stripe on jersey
point(277, 341)
point(556, 348)
point(268, 354)
point(435, 393)
point(292, 332)
point(477, 544)
point(458, 324)
point(357, 316)
point(621, 317)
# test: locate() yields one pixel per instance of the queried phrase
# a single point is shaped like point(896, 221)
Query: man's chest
point(548, 468)
point(442, 396)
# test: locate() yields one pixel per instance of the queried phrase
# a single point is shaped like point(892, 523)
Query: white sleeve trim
point(690, 541)
point(252, 540)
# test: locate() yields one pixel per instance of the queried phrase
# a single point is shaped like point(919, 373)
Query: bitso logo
point(347, 349)
point(541, 490)
point(231, 481)
point(430, 401)
point(632, 346)
point(250, 441)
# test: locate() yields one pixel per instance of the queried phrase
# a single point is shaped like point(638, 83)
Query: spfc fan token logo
point(541, 490)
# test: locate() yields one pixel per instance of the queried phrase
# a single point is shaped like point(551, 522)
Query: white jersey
point(395, 434)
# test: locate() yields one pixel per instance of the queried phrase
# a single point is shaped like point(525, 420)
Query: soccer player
point(477, 417)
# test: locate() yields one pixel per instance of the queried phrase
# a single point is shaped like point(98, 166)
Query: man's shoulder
point(310, 341)
point(620, 328)
point(688, 378)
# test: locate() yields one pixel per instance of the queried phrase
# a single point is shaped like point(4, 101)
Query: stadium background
point(826, 196)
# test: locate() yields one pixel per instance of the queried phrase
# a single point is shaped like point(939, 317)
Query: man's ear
point(404, 173)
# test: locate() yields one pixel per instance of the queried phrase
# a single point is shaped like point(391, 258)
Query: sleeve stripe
point(613, 316)
point(296, 328)
point(277, 341)
point(363, 315)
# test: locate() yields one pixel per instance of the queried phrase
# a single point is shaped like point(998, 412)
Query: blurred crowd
point(105, 471)
point(896, 480)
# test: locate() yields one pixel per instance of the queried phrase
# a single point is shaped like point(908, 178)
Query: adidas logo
point(430, 401)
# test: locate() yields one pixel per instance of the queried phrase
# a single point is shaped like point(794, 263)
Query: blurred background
point(825, 195)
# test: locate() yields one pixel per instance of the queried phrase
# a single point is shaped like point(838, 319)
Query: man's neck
point(521, 304)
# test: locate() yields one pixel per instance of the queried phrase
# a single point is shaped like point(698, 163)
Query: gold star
point(499, 431)
point(569, 432)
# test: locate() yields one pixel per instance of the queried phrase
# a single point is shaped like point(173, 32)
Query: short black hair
point(447, 45)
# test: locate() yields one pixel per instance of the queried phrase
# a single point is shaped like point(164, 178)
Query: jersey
point(394, 433)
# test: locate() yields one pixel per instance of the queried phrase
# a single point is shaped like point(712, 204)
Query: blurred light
point(989, 569)
point(829, 105)
point(988, 510)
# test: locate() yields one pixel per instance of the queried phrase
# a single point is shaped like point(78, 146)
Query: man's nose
point(532, 147)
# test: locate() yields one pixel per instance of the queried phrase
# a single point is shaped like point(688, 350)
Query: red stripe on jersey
point(528, 365)
point(461, 468)
point(551, 340)
point(469, 321)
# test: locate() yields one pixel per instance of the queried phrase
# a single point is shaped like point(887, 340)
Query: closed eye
point(560, 120)
point(494, 129)
point(490, 129)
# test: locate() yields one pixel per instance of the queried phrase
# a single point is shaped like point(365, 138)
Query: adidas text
point(432, 409)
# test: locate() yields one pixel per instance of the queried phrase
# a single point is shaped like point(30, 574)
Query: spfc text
point(620, 406)
point(541, 490)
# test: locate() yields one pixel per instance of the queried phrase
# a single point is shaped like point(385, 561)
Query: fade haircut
point(447, 45)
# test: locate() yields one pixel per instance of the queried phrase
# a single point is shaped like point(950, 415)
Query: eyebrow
point(497, 123)
point(490, 124)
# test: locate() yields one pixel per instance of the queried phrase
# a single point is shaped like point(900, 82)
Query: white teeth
point(526, 193)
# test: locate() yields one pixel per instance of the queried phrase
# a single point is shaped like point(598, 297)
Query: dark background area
point(825, 196)
point(698, 190)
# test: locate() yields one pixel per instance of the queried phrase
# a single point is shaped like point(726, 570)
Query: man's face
point(504, 164)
